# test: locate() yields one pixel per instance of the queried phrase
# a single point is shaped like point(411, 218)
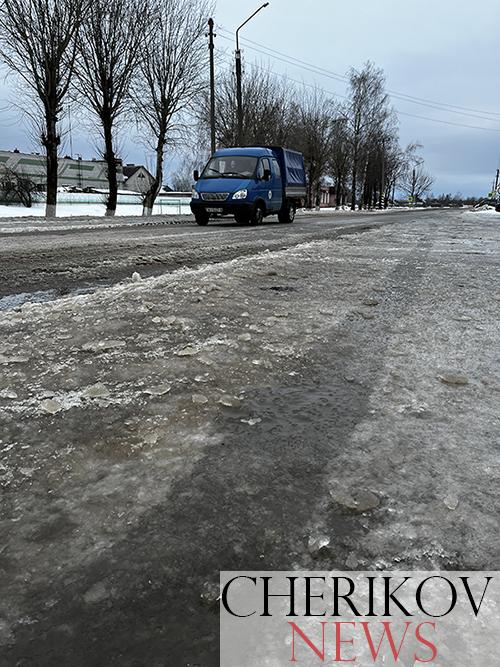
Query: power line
point(449, 122)
point(291, 60)
point(403, 113)
point(229, 61)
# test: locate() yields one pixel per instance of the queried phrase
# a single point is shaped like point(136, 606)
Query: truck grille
point(214, 196)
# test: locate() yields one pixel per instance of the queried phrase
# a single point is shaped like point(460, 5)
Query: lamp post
point(212, 83)
point(239, 96)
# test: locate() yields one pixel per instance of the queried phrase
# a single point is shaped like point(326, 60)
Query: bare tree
point(182, 179)
point(416, 182)
point(112, 40)
point(170, 78)
point(17, 188)
point(268, 118)
point(380, 150)
point(37, 42)
point(365, 112)
point(394, 167)
point(339, 160)
point(313, 136)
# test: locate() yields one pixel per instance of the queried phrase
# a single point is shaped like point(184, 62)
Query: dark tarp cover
point(294, 166)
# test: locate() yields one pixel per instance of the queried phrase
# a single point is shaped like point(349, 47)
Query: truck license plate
point(214, 209)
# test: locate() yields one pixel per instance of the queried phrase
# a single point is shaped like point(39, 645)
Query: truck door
point(271, 191)
point(265, 189)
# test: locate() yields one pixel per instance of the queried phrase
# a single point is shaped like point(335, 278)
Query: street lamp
point(239, 100)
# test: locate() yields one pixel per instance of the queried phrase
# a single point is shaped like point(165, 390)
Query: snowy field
point(92, 205)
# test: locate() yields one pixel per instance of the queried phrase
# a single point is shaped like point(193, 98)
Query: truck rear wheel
point(287, 213)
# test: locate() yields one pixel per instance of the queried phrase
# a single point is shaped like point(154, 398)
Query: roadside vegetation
point(142, 68)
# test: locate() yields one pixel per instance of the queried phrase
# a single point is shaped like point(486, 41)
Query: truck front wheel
point(257, 215)
point(241, 218)
point(287, 213)
point(201, 218)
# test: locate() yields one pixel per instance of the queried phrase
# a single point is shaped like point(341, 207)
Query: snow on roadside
point(40, 224)
point(486, 213)
point(66, 210)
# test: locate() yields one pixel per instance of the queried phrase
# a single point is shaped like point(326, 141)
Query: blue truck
point(250, 183)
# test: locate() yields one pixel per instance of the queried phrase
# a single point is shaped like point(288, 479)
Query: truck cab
point(249, 183)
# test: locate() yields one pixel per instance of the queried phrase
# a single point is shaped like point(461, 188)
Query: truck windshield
point(230, 166)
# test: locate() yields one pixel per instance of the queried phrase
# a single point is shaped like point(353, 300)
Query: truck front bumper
point(228, 207)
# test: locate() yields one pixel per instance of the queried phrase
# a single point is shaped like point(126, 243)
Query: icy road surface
point(65, 255)
point(332, 404)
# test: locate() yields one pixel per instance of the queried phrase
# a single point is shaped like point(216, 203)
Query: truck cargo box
point(292, 167)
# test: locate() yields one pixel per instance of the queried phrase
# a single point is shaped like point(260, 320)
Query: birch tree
point(366, 110)
point(38, 43)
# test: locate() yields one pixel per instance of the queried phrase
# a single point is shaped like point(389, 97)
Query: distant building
point(328, 197)
point(80, 174)
point(137, 178)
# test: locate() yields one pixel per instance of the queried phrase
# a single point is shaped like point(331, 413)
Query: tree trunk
point(110, 158)
point(152, 193)
point(382, 184)
point(309, 190)
point(51, 141)
point(338, 189)
point(354, 179)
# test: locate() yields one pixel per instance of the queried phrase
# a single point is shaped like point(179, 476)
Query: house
point(137, 178)
point(328, 197)
point(72, 173)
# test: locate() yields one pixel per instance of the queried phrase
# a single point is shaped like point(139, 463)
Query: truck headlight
point(194, 194)
point(241, 194)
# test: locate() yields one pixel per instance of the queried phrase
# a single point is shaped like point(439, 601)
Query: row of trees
point(354, 143)
point(144, 62)
point(122, 61)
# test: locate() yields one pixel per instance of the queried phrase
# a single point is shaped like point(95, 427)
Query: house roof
point(130, 169)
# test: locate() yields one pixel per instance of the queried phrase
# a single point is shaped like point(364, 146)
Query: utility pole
point(496, 180)
point(239, 98)
point(212, 83)
point(239, 94)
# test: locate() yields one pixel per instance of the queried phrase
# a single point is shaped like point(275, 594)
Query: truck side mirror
point(267, 174)
point(196, 175)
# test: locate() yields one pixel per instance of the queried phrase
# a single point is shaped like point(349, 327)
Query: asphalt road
point(77, 257)
point(318, 398)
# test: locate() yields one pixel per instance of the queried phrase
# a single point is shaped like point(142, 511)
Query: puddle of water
point(15, 301)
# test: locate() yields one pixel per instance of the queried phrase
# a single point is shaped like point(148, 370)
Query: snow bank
point(92, 206)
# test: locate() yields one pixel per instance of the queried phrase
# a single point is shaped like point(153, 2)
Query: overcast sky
point(438, 50)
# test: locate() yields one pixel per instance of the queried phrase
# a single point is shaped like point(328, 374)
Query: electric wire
point(291, 60)
point(398, 111)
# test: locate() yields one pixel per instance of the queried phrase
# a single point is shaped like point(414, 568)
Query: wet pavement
point(69, 254)
point(330, 403)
